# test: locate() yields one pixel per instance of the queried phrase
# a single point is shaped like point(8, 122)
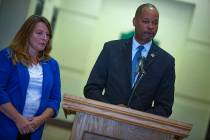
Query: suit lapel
point(23, 77)
point(151, 57)
point(127, 50)
point(44, 83)
point(45, 70)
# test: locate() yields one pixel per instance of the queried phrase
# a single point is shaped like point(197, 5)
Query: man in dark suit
point(152, 89)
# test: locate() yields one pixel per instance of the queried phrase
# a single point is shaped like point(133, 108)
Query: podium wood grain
point(96, 120)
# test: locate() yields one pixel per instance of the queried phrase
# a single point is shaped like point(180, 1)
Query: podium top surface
point(73, 104)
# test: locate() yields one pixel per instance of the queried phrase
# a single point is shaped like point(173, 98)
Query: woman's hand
point(24, 125)
point(36, 122)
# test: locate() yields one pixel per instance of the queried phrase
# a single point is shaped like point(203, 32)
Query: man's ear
point(134, 21)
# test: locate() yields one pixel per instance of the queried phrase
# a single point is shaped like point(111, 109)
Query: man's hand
point(122, 105)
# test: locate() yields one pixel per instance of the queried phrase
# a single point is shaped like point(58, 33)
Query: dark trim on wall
point(39, 7)
point(54, 18)
point(208, 133)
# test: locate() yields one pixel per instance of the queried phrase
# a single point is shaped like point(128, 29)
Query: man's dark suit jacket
point(112, 72)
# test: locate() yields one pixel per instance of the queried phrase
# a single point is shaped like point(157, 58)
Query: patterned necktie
point(135, 64)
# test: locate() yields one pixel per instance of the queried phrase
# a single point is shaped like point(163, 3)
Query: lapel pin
point(153, 55)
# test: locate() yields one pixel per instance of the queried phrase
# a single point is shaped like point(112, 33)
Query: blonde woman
point(29, 82)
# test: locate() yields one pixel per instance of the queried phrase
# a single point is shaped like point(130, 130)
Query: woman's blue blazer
point(14, 81)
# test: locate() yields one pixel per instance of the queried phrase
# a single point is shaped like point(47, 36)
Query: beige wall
point(83, 26)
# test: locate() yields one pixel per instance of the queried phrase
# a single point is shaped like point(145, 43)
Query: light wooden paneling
point(119, 122)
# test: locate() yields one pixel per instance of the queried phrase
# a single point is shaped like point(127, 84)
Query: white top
point(34, 91)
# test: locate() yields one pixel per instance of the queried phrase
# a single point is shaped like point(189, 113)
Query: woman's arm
point(37, 121)
point(22, 123)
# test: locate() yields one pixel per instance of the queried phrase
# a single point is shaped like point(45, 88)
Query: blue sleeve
point(6, 66)
point(55, 94)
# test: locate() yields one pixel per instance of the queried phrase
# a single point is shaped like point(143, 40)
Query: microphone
point(141, 70)
point(140, 74)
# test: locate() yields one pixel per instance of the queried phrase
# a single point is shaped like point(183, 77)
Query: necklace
point(35, 60)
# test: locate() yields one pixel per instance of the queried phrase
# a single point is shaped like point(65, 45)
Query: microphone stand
point(140, 75)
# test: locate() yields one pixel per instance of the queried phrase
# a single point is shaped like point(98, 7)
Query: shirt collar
point(136, 44)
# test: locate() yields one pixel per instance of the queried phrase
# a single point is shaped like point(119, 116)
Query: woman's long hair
point(19, 45)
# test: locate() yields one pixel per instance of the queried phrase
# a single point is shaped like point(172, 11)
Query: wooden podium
point(96, 120)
